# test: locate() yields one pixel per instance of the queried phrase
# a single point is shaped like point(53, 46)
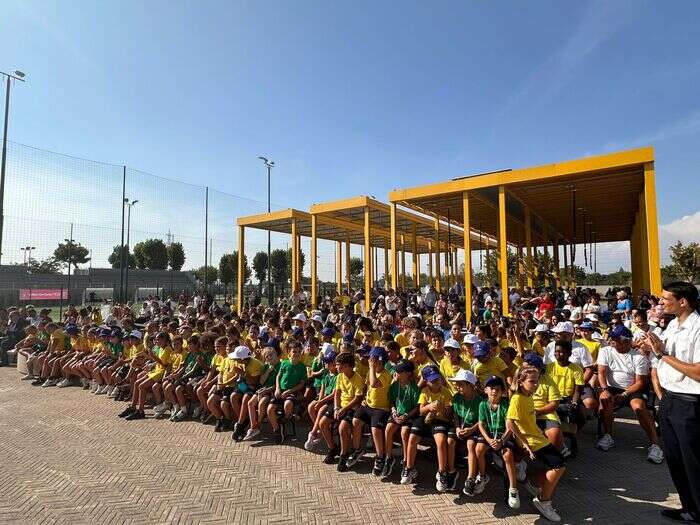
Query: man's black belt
point(691, 398)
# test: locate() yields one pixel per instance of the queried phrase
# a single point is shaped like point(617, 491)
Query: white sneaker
point(93, 386)
point(28, 377)
point(102, 390)
point(481, 483)
point(180, 415)
point(606, 442)
point(252, 432)
point(655, 455)
point(521, 471)
point(533, 489)
point(159, 410)
point(48, 382)
point(545, 508)
point(513, 499)
point(175, 409)
point(197, 412)
point(63, 383)
point(310, 441)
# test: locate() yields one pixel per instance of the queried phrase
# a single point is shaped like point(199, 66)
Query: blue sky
point(359, 97)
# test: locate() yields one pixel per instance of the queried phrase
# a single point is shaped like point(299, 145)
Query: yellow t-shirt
point(177, 359)
point(252, 368)
point(135, 350)
point(565, 377)
point(593, 347)
point(405, 351)
point(447, 369)
point(58, 340)
point(420, 367)
point(521, 410)
point(546, 392)
point(493, 367)
point(379, 397)
point(349, 388)
point(229, 369)
point(537, 347)
point(217, 362)
point(165, 355)
point(362, 369)
point(402, 339)
point(79, 344)
point(442, 396)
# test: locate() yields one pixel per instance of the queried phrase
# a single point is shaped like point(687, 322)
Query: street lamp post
point(70, 256)
point(18, 75)
point(127, 250)
point(27, 254)
point(269, 164)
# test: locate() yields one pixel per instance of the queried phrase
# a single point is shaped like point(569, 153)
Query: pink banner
point(41, 294)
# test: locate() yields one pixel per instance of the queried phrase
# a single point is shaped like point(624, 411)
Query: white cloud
point(685, 229)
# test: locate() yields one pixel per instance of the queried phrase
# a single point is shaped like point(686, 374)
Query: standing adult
point(677, 363)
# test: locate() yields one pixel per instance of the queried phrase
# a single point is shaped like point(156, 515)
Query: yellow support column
point(241, 272)
point(437, 255)
point(488, 267)
point(645, 281)
point(503, 248)
point(467, 258)
point(300, 270)
point(414, 243)
point(430, 264)
point(295, 257)
point(634, 260)
point(403, 263)
point(339, 266)
point(652, 230)
point(367, 262)
point(386, 267)
point(528, 248)
point(394, 269)
point(314, 273)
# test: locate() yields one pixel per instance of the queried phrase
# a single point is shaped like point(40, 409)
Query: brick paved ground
point(67, 458)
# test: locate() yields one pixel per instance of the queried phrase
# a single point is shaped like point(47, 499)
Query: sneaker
point(49, 382)
point(513, 499)
point(110, 390)
point(481, 482)
point(521, 471)
point(159, 410)
point(355, 456)
point(330, 457)
point(220, 425)
point(469, 486)
point(310, 442)
point(238, 431)
point(378, 468)
point(102, 390)
point(197, 412)
point(180, 415)
point(63, 383)
point(679, 515)
point(28, 377)
point(452, 479)
point(655, 455)
point(545, 508)
point(389, 463)
point(172, 416)
point(605, 443)
point(533, 489)
point(343, 463)
point(252, 433)
point(137, 414)
point(566, 451)
point(37, 382)
point(408, 475)
point(441, 482)
point(127, 411)
point(86, 385)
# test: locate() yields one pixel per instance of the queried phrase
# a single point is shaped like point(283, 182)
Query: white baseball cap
point(464, 375)
point(565, 326)
point(451, 343)
point(240, 352)
point(542, 327)
point(326, 348)
point(135, 333)
point(300, 317)
point(470, 339)
point(597, 336)
point(317, 318)
point(592, 317)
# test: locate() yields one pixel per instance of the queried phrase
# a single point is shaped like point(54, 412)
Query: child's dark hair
point(345, 358)
point(392, 346)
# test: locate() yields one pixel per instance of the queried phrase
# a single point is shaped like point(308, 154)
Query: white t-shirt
point(622, 368)
point(579, 354)
point(683, 343)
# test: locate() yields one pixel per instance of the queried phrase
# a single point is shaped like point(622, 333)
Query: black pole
point(269, 265)
point(121, 245)
point(70, 246)
point(126, 256)
point(4, 160)
point(206, 232)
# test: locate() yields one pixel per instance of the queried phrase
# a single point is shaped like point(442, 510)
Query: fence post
point(206, 232)
point(121, 249)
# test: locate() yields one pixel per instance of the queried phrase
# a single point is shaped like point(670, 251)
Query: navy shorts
point(374, 417)
point(423, 429)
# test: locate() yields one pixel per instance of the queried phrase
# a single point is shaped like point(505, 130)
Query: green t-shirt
point(115, 349)
point(391, 367)
point(191, 361)
point(494, 420)
point(467, 410)
point(270, 381)
point(328, 383)
point(317, 365)
point(404, 398)
point(290, 375)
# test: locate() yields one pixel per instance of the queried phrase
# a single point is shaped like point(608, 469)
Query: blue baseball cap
point(364, 350)
point(379, 353)
point(72, 329)
point(105, 332)
point(349, 338)
point(481, 349)
point(533, 359)
point(431, 373)
point(586, 325)
point(297, 332)
point(620, 330)
point(329, 357)
point(273, 342)
point(264, 337)
point(328, 331)
point(404, 366)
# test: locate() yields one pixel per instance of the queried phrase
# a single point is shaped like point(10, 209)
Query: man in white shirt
point(623, 374)
point(676, 360)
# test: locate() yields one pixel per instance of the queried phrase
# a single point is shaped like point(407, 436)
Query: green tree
point(212, 274)
point(115, 259)
point(260, 267)
point(356, 266)
point(278, 267)
point(686, 260)
point(48, 265)
point(176, 256)
point(228, 269)
point(668, 274)
point(71, 252)
point(151, 254)
point(302, 261)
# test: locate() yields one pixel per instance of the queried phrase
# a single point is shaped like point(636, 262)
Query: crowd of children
point(505, 392)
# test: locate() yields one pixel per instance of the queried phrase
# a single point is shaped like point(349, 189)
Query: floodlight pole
point(269, 164)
